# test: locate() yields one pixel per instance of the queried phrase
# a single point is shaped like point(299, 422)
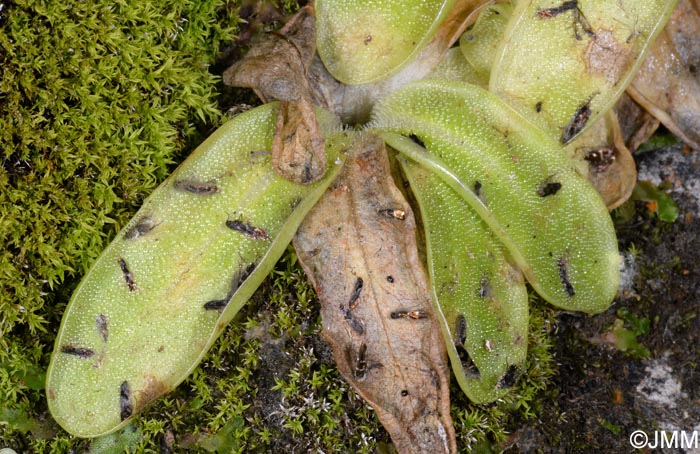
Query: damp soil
point(601, 395)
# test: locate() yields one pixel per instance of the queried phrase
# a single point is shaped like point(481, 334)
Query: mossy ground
point(98, 102)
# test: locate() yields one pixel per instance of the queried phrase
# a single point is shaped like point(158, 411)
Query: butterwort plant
point(353, 91)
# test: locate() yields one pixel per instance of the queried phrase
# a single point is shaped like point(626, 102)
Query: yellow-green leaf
point(361, 42)
point(166, 287)
point(563, 63)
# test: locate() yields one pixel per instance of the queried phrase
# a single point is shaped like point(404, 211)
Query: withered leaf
point(611, 169)
point(365, 268)
point(668, 82)
point(298, 152)
point(637, 125)
point(276, 65)
point(276, 68)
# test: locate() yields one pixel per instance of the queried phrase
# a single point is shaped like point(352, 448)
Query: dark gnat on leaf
point(354, 322)
point(509, 378)
point(577, 123)
point(238, 278)
point(546, 13)
point(548, 188)
point(125, 401)
point(216, 305)
point(393, 213)
point(484, 287)
point(143, 227)
point(355, 295)
point(477, 188)
point(361, 363)
point(600, 159)
point(248, 230)
point(80, 352)
point(470, 369)
point(196, 187)
point(461, 330)
point(564, 276)
point(101, 325)
point(413, 315)
point(417, 140)
point(128, 277)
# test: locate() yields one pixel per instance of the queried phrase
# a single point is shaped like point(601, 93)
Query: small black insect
point(141, 228)
point(354, 322)
point(125, 401)
point(414, 315)
point(477, 188)
point(238, 278)
point(216, 305)
point(101, 324)
point(355, 295)
point(470, 369)
point(80, 352)
point(577, 123)
point(600, 158)
point(295, 203)
point(307, 172)
point(564, 276)
point(128, 277)
point(579, 19)
point(548, 188)
point(417, 140)
point(394, 213)
point(538, 107)
point(242, 276)
point(509, 378)
point(196, 187)
point(546, 13)
point(361, 363)
point(461, 330)
point(390, 279)
point(404, 392)
point(484, 287)
point(248, 230)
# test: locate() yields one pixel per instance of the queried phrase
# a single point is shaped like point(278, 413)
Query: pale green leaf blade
point(481, 42)
point(554, 224)
point(564, 63)
point(361, 42)
point(480, 296)
point(165, 288)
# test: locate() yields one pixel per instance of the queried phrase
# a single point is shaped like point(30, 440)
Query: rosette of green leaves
point(517, 181)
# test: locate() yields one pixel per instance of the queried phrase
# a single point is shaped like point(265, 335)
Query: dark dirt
point(601, 395)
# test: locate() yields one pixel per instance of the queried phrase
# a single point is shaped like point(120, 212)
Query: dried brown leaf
point(276, 68)
point(298, 152)
point(668, 83)
point(358, 246)
point(610, 166)
point(636, 124)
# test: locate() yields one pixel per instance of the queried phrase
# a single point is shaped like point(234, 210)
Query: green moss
point(98, 102)
point(96, 98)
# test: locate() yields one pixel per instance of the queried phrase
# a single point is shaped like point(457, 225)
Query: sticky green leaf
point(480, 43)
point(361, 42)
point(563, 63)
point(555, 226)
point(166, 287)
point(480, 296)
